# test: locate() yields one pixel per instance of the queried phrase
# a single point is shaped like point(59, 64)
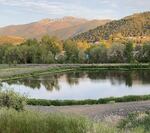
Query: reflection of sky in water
point(85, 89)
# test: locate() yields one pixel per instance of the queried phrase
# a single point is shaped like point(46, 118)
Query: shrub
point(135, 121)
point(11, 99)
point(45, 102)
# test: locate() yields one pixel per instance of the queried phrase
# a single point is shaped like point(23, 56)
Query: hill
point(63, 28)
point(11, 40)
point(131, 26)
point(75, 30)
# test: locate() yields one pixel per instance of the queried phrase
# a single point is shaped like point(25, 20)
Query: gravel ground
point(99, 112)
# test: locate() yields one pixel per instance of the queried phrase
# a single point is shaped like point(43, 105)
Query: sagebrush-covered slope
point(131, 26)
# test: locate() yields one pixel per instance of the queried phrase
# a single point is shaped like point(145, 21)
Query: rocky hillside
point(131, 26)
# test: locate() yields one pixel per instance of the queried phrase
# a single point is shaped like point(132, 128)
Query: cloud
point(35, 5)
point(81, 8)
point(138, 3)
point(61, 8)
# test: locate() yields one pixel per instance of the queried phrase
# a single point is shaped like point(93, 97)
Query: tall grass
point(12, 121)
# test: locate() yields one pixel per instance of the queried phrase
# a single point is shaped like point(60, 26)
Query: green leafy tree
point(71, 51)
point(146, 52)
point(116, 53)
point(97, 54)
point(128, 52)
point(52, 43)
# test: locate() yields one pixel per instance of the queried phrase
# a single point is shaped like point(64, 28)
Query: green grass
point(110, 100)
point(29, 72)
point(10, 72)
point(115, 67)
point(12, 121)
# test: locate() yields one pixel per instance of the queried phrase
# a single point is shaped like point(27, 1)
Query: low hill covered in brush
point(131, 26)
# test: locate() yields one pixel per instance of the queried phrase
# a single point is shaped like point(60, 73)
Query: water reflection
point(51, 82)
point(90, 80)
point(120, 77)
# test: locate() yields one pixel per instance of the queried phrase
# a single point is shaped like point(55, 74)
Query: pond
point(83, 85)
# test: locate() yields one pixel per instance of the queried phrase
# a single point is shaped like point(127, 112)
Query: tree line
point(52, 50)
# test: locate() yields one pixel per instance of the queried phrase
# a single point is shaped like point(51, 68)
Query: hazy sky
point(24, 11)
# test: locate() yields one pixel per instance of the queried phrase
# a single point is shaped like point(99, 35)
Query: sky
point(26, 11)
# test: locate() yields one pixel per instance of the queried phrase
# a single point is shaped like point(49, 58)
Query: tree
point(146, 52)
point(52, 43)
point(23, 56)
point(3, 49)
point(138, 53)
point(28, 51)
point(71, 51)
point(97, 54)
point(11, 55)
point(128, 52)
point(83, 45)
point(116, 53)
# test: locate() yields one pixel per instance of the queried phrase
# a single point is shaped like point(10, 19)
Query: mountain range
point(136, 25)
point(62, 28)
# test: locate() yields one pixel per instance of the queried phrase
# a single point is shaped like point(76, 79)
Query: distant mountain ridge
point(63, 28)
point(131, 26)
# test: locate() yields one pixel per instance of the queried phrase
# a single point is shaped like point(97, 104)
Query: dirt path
point(97, 112)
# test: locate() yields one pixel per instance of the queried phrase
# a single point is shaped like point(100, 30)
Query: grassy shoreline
point(37, 70)
point(110, 100)
point(35, 74)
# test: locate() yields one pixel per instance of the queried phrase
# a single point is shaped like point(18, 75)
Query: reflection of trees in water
point(118, 77)
point(138, 77)
point(143, 76)
point(49, 82)
point(31, 82)
point(72, 78)
point(129, 79)
point(115, 77)
point(1, 85)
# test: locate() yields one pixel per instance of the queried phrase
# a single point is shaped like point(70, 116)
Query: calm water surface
point(83, 85)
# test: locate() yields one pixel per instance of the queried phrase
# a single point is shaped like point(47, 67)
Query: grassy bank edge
point(58, 68)
point(110, 100)
point(37, 73)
